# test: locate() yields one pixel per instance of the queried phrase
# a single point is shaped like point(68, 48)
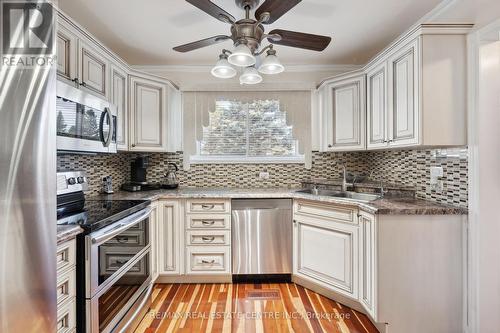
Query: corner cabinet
point(416, 92)
point(343, 109)
point(148, 114)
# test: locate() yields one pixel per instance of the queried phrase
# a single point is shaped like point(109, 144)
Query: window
point(254, 131)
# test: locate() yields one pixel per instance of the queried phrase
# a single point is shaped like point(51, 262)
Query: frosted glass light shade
point(242, 56)
point(223, 69)
point(271, 65)
point(250, 76)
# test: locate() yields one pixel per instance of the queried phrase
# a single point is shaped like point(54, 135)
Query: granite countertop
point(384, 206)
point(67, 232)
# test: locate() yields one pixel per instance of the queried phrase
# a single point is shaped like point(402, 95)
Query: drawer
point(132, 238)
point(66, 286)
point(338, 213)
point(66, 316)
point(66, 256)
point(208, 237)
point(208, 259)
point(199, 221)
point(113, 258)
point(208, 206)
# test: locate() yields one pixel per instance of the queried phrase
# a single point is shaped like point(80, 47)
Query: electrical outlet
point(263, 175)
point(436, 172)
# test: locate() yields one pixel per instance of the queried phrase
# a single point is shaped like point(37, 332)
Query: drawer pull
point(206, 222)
point(122, 239)
point(208, 239)
point(207, 207)
point(208, 261)
point(121, 262)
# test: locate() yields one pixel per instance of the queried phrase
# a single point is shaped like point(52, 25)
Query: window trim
point(225, 159)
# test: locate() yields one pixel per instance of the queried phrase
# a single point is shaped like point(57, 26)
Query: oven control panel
point(71, 181)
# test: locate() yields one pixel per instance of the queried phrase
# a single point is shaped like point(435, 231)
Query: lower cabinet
point(368, 263)
point(66, 287)
point(191, 239)
point(326, 253)
point(170, 229)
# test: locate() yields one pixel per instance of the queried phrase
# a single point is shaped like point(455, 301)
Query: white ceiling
point(144, 32)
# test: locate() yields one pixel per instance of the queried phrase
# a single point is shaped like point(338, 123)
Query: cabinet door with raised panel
point(66, 53)
point(93, 70)
point(346, 115)
point(326, 253)
point(404, 95)
point(119, 97)
point(376, 81)
point(153, 238)
point(170, 237)
point(148, 116)
point(368, 277)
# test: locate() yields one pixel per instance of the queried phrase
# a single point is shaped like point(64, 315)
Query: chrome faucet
point(315, 190)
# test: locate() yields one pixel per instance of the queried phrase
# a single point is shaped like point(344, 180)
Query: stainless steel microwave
point(85, 123)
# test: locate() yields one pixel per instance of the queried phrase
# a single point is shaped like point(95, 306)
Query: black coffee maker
point(138, 170)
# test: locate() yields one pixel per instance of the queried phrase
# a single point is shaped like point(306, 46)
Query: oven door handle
point(106, 234)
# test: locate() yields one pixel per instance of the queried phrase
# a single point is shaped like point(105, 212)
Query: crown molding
point(297, 68)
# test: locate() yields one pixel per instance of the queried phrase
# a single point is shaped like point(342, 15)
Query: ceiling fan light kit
point(242, 56)
point(223, 68)
point(250, 76)
point(247, 35)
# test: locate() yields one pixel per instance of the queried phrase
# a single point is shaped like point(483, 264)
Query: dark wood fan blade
point(212, 9)
point(201, 43)
point(300, 40)
point(276, 9)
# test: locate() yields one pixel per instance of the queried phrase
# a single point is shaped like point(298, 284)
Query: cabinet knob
point(83, 84)
point(75, 80)
point(133, 145)
point(330, 146)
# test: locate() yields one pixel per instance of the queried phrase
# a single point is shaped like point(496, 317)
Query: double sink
point(355, 196)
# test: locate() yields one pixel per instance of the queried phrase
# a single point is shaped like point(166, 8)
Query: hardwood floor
point(247, 308)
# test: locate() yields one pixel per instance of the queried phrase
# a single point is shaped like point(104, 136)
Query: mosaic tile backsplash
point(407, 167)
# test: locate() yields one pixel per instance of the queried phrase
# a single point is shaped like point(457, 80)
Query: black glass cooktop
point(93, 215)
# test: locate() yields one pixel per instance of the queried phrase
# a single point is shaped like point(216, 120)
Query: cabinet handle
point(122, 239)
point(205, 206)
point(133, 145)
point(121, 262)
point(330, 146)
point(203, 261)
point(208, 239)
point(83, 84)
point(205, 222)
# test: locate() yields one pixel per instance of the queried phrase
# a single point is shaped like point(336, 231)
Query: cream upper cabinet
point(119, 97)
point(344, 110)
point(376, 103)
point(148, 114)
point(93, 69)
point(415, 95)
point(368, 263)
point(403, 92)
point(67, 45)
point(315, 237)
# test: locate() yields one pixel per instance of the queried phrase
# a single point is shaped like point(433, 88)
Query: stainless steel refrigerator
point(27, 200)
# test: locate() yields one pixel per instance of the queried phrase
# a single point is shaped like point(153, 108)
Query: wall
point(407, 167)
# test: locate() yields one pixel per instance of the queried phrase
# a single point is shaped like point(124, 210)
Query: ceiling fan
point(247, 35)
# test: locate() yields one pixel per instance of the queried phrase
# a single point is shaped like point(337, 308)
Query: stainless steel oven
point(117, 274)
point(85, 123)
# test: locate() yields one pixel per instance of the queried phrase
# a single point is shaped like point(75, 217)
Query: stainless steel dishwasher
point(261, 237)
